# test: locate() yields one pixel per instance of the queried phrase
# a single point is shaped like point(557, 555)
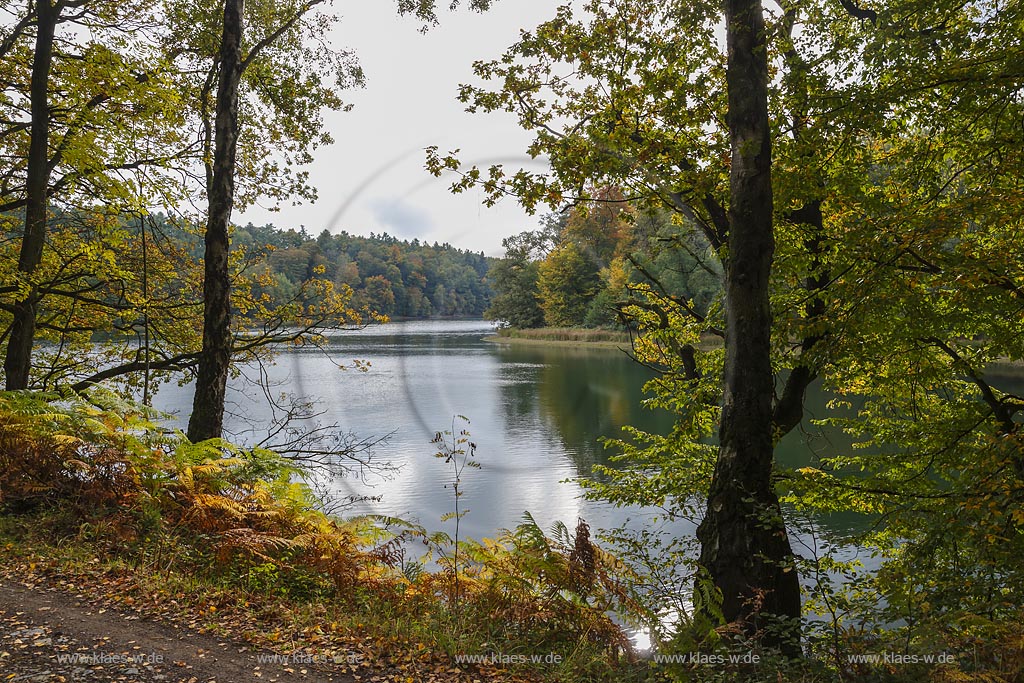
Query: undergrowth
point(102, 474)
point(96, 485)
point(565, 334)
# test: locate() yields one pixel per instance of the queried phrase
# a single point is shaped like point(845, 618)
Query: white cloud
point(401, 219)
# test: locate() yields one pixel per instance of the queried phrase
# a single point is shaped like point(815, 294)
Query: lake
point(536, 414)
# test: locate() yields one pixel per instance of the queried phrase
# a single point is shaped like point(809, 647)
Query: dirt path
point(49, 635)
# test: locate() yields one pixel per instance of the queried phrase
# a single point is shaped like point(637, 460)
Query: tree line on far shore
point(405, 278)
point(580, 267)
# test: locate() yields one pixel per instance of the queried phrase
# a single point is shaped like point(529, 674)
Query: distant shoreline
point(1003, 367)
point(563, 336)
point(535, 341)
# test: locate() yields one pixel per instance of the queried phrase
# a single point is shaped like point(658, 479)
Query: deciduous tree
point(566, 283)
point(98, 118)
point(888, 127)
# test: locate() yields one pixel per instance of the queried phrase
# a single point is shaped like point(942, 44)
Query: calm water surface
point(536, 413)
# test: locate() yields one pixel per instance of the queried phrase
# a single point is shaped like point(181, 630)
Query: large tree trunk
point(18, 361)
point(207, 418)
point(743, 539)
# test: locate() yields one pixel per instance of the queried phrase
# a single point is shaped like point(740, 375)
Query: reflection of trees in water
point(811, 443)
point(576, 395)
point(518, 383)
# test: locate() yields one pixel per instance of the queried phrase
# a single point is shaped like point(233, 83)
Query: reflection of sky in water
point(535, 415)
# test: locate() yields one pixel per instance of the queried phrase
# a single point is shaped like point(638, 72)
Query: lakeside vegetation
point(230, 541)
point(610, 338)
point(566, 334)
point(97, 492)
point(870, 248)
point(580, 270)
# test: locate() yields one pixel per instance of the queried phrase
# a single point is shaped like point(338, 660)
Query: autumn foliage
point(101, 470)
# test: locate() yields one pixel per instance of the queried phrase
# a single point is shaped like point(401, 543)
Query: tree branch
point(858, 12)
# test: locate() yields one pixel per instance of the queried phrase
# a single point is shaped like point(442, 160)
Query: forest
point(773, 199)
point(387, 276)
point(582, 268)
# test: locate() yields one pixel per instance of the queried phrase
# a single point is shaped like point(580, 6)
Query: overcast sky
point(372, 178)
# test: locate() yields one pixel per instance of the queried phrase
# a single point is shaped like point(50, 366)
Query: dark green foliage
point(582, 268)
point(514, 281)
point(515, 301)
point(602, 310)
point(395, 277)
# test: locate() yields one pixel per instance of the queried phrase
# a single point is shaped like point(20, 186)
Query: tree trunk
point(18, 361)
point(744, 545)
point(207, 418)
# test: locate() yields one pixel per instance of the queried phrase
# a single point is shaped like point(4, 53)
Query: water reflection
point(576, 395)
point(537, 413)
point(536, 416)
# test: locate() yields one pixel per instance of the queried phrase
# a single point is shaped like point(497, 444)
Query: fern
point(127, 484)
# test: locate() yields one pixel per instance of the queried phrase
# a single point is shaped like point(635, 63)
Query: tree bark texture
point(207, 419)
point(744, 546)
point(18, 360)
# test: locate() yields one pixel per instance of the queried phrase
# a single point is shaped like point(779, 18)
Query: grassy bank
point(577, 336)
point(568, 336)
